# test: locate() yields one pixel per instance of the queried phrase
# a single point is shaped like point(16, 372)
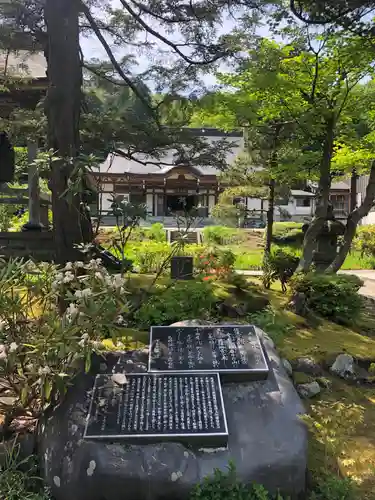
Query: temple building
point(165, 190)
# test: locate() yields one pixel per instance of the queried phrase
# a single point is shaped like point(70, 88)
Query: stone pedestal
point(267, 443)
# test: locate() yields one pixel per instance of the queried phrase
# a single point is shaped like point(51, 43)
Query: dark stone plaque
point(157, 407)
point(182, 268)
point(233, 351)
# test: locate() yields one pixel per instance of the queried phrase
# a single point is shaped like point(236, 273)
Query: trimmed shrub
point(215, 263)
point(220, 235)
point(156, 233)
point(181, 301)
point(330, 295)
point(280, 265)
point(286, 233)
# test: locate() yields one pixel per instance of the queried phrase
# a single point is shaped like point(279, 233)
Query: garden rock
point(191, 322)
point(287, 366)
point(307, 391)
point(307, 365)
point(344, 366)
point(267, 443)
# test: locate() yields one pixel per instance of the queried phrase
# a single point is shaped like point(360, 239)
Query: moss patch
point(301, 378)
point(344, 438)
point(343, 426)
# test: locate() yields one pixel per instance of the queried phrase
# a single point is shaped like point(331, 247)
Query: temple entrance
point(180, 203)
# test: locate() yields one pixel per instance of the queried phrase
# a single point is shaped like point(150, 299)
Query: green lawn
point(251, 259)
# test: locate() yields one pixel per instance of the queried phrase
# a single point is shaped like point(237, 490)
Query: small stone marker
point(149, 408)
point(182, 268)
point(235, 352)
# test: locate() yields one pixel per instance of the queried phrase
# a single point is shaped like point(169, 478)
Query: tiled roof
point(117, 164)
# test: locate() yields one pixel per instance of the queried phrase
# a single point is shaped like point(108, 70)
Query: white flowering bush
point(51, 321)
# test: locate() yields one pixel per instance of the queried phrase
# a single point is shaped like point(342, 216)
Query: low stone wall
point(36, 245)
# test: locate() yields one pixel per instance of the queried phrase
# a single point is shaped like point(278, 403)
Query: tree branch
point(165, 40)
point(353, 220)
point(112, 58)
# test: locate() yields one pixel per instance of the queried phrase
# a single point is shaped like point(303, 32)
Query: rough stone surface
point(267, 443)
point(307, 365)
point(287, 367)
point(344, 366)
point(309, 390)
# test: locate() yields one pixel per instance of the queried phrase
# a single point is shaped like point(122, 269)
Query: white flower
point(72, 311)
point(13, 347)
point(118, 281)
point(99, 262)
point(84, 340)
point(45, 370)
point(78, 294)
point(79, 263)
point(68, 266)
point(120, 320)
point(69, 277)
point(2, 325)
point(98, 275)
point(92, 264)
point(86, 292)
point(96, 344)
point(3, 352)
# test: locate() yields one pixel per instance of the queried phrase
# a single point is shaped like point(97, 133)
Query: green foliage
point(21, 164)
point(157, 233)
point(42, 347)
point(364, 241)
point(6, 216)
point(287, 233)
point(179, 301)
point(237, 280)
point(273, 322)
point(279, 265)
point(330, 487)
point(330, 423)
point(213, 262)
point(332, 296)
point(18, 478)
point(221, 235)
point(227, 486)
point(17, 223)
point(226, 213)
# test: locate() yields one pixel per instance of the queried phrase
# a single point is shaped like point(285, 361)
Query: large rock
point(267, 443)
point(307, 365)
point(344, 366)
point(309, 390)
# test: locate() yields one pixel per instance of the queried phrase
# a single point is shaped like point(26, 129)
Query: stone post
point(34, 223)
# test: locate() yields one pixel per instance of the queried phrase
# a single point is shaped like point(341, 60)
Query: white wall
point(211, 203)
point(105, 197)
point(298, 213)
point(369, 219)
point(149, 203)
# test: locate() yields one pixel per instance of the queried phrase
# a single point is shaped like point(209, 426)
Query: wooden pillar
point(165, 197)
point(34, 223)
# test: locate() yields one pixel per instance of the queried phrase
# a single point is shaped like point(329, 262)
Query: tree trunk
point(353, 191)
point(322, 199)
point(354, 218)
point(270, 217)
point(63, 105)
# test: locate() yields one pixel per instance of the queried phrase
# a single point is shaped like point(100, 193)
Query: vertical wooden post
point(34, 223)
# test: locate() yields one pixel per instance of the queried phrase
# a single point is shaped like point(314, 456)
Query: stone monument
point(326, 248)
point(158, 421)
